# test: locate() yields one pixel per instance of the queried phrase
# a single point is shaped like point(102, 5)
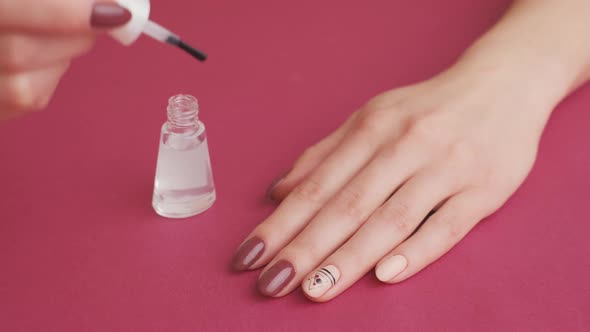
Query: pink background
point(82, 250)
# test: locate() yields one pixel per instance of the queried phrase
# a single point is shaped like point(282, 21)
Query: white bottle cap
point(140, 12)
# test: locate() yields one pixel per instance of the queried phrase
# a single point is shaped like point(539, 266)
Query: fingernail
point(391, 267)
point(321, 281)
point(109, 15)
point(248, 254)
point(276, 278)
point(273, 185)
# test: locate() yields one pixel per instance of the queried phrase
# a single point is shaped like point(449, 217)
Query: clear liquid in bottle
point(184, 184)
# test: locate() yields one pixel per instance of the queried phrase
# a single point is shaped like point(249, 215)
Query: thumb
point(61, 15)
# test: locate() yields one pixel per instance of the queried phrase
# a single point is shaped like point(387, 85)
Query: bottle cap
point(140, 12)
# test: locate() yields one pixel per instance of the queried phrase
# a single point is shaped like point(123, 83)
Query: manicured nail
point(273, 185)
point(276, 278)
point(248, 254)
point(321, 281)
point(107, 15)
point(391, 267)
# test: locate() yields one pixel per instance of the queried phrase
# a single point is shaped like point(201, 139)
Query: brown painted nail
point(248, 254)
point(109, 15)
point(273, 185)
point(276, 278)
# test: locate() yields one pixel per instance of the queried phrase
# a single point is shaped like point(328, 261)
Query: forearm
point(541, 44)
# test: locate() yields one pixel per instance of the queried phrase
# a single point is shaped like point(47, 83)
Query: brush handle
point(158, 32)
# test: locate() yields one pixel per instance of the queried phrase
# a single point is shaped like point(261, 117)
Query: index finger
point(49, 15)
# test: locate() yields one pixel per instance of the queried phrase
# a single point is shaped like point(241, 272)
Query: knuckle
point(308, 154)
point(452, 231)
point(455, 232)
point(378, 102)
point(387, 100)
point(311, 191)
point(389, 154)
point(398, 217)
point(369, 123)
point(349, 203)
point(450, 227)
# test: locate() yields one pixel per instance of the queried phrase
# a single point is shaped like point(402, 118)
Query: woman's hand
point(456, 146)
point(408, 175)
point(38, 40)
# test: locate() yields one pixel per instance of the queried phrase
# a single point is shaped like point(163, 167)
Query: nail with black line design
point(319, 282)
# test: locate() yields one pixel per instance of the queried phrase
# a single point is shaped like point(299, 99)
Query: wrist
point(523, 92)
point(525, 75)
point(528, 86)
point(537, 48)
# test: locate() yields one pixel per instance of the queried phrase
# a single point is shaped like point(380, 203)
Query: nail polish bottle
point(184, 181)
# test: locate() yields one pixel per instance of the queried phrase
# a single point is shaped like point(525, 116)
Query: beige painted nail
point(321, 281)
point(391, 267)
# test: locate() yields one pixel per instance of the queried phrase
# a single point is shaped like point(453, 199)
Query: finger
point(308, 161)
point(32, 51)
point(307, 198)
point(60, 16)
point(436, 237)
point(393, 222)
point(344, 214)
point(30, 91)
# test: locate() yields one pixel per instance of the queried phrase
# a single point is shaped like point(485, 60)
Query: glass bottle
point(184, 182)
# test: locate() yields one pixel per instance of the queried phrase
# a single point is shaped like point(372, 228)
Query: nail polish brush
point(141, 24)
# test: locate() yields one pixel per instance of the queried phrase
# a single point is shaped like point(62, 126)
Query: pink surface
point(81, 249)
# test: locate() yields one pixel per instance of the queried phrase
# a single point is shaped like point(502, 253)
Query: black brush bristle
point(172, 40)
point(192, 51)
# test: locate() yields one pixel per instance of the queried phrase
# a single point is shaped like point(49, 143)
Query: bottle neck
point(183, 113)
